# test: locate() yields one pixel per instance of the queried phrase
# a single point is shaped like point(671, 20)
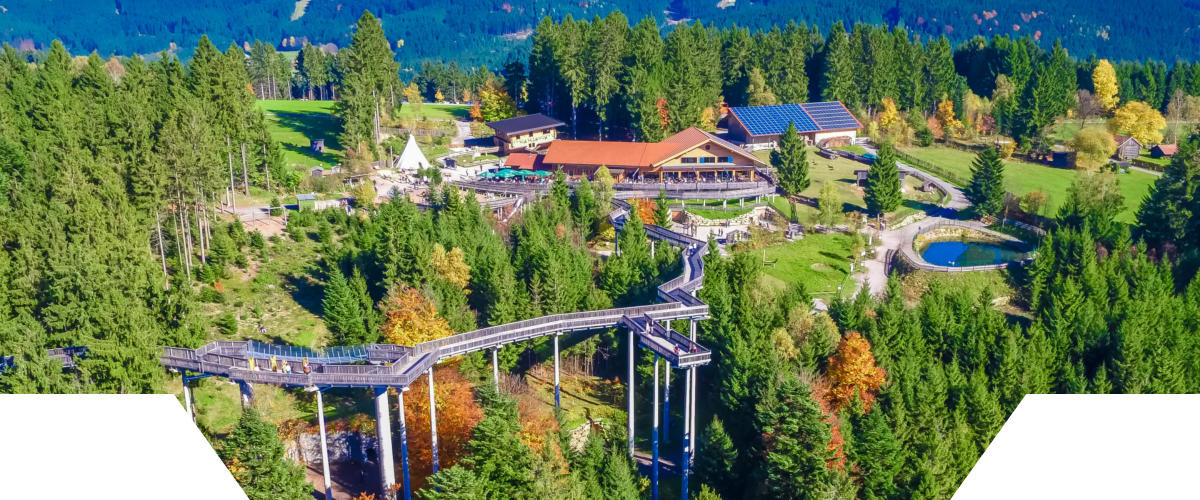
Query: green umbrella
point(487, 175)
point(540, 173)
point(506, 173)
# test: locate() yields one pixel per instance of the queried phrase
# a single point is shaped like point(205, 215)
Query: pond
point(969, 253)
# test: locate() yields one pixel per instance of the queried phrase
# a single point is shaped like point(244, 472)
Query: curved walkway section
point(386, 365)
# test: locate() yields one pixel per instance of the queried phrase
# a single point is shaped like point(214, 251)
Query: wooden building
point(524, 133)
point(1164, 150)
point(690, 155)
point(1128, 148)
point(826, 124)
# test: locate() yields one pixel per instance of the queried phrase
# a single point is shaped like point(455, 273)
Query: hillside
point(474, 32)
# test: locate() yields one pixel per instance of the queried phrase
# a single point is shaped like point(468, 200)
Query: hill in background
point(475, 32)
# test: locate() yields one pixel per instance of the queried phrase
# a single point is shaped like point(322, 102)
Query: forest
point(109, 189)
point(473, 33)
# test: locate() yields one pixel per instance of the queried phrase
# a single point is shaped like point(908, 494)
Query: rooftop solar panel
point(830, 115)
point(809, 117)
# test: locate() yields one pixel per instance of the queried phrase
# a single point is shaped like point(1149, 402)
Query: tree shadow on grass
point(312, 126)
point(923, 206)
point(307, 292)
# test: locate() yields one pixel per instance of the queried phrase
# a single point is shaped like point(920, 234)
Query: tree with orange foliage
point(852, 371)
point(410, 318)
point(645, 209)
point(457, 414)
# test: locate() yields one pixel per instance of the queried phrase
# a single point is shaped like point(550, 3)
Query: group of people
point(279, 367)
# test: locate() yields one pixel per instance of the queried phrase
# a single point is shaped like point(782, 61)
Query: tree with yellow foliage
point(1093, 146)
point(496, 104)
point(438, 96)
point(410, 318)
point(945, 117)
point(1139, 121)
point(852, 372)
point(1104, 84)
point(413, 94)
point(451, 266)
point(889, 116)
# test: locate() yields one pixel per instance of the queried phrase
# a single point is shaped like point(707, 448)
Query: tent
point(412, 159)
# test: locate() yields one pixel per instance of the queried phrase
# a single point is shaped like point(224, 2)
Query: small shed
point(306, 201)
point(1164, 150)
point(860, 177)
point(316, 172)
point(1128, 148)
point(317, 145)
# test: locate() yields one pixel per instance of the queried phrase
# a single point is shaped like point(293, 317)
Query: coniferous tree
point(839, 80)
point(717, 459)
point(257, 458)
point(791, 162)
point(796, 443)
point(343, 311)
point(662, 210)
point(876, 452)
point(882, 192)
point(986, 190)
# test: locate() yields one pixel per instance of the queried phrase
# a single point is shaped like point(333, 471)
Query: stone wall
point(342, 446)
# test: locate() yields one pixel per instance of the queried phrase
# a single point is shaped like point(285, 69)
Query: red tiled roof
point(633, 154)
point(1168, 149)
point(523, 161)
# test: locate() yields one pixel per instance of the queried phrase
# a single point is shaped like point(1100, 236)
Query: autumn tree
point(450, 266)
point(889, 116)
point(757, 92)
point(852, 372)
point(945, 117)
point(1104, 84)
point(496, 104)
point(457, 413)
point(412, 94)
point(1140, 121)
point(410, 318)
point(1093, 146)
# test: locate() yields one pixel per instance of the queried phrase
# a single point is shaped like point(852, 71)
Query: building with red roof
point(691, 154)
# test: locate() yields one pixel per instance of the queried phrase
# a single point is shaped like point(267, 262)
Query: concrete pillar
point(654, 437)
point(433, 422)
point(694, 433)
point(383, 430)
point(187, 398)
point(629, 383)
point(496, 367)
point(324, 447)
point(557, 401)
point(247, 392)
point(651, 249)
point(404, 445)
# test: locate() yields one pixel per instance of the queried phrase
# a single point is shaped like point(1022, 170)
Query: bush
point(1006, 150)
point(276, 206)
point(211, 296)
point(257, 241)
point(241, 261)
point(924, 137)
point(227, 324)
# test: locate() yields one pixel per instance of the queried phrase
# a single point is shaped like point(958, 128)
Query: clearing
point(1021, 177)
point(296, 123)
point(821, 262)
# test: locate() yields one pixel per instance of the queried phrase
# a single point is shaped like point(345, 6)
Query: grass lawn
point(296, 123)
point(840, 171)
point(430, 111)
point(853, 148)
point(1162, 162)
point(1022, 177)
point(711, 209)
point(820, 261)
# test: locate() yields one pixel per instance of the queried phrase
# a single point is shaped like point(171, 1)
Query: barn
point(819, 123)
point(1128, 148)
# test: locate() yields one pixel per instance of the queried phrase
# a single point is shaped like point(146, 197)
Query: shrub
point(211, 296)
point(257, 241)
point(227, 324)
point(924, 137)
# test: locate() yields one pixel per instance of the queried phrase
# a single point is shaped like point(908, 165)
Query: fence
point(944, 174)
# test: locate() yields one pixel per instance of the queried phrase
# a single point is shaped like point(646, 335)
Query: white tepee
point(412, 159)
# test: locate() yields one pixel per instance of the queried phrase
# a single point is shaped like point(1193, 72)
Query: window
point(726, 159)
point(708, 159)
point(688, 160)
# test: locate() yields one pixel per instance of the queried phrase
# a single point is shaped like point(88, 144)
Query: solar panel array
point(830, 115)
point(770, 120)
point(810, 117)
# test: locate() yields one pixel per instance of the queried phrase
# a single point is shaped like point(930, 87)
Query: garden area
point(1021, 177)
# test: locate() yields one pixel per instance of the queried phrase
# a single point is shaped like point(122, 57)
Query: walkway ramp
point(675, 347)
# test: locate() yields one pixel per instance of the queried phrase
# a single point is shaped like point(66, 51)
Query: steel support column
point(433, 422)
point(324, 447)
point(629, 383)
point(383, 430)
point(403, 444)
point(187, 399)
point(247, 392)
point(557, 401)
point(694, 433)
point(687, 435)
point(654, 437)
point(666, 431)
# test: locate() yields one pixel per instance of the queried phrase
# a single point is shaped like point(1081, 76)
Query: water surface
point(970, 253)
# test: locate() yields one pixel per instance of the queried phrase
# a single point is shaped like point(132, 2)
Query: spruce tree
point(583, 207)
point(876, 452)
point(796, 443)
point(790, 160)
point(839, 80)
point(343, 311)
point(717, 459)
point(258, 460)
point(662, 210)
point(883, 183)
point(986, 190)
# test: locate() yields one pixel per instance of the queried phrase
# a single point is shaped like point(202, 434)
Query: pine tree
point(662, 210)
point(839, 80)
point(257, 458)
point(343, 311)
point(791, 162)
point(717, 459)
point(882, 192)
point(986, 190)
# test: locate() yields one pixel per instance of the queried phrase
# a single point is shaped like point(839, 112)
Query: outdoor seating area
point(508, 174)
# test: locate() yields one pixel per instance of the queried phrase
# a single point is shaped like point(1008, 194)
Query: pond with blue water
point(970, 253)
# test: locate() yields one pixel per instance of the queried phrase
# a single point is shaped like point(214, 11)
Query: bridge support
point(247, 393)
point(404, 445)
point(383, 430)
point(651, 249)
point(666, 432)
point(433, 422)
point(557, 401)
point(695, 387)
point(324, 447)
point(496, 367)
point(654, 436)
point(687, 435)
point(629, 383)
point(187, 398)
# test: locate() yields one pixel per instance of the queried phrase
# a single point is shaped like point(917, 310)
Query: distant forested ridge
point(475, 32)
